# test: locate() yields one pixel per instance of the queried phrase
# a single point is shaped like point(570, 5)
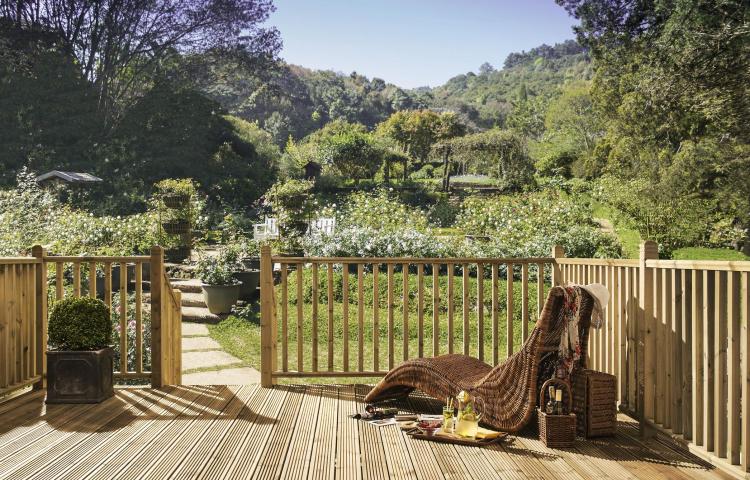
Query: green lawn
point(630, 240)
point(702, 253)
point(241, 338)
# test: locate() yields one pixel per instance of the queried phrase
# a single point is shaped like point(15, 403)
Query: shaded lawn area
point(241, 337)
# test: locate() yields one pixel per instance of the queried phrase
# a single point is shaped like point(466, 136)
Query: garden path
point(204, 362)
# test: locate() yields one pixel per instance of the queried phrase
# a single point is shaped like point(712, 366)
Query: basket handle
point(555, 381)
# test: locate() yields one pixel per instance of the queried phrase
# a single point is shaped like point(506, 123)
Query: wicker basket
point(556, 431)
point(594, 402)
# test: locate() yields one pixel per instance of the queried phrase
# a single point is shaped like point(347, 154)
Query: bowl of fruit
point(429, 427)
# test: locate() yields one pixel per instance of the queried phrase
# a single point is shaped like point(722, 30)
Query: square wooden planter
point(594, 402)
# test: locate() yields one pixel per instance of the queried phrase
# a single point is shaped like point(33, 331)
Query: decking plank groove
point(297, 432)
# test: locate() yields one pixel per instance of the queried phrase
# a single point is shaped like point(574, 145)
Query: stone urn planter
point(250, 280)
point(220, 298)
point(80, 363)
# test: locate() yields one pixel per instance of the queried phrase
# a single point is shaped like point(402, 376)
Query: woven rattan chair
point(509, 390)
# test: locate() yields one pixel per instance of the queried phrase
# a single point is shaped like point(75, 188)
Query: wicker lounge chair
point(509, 390)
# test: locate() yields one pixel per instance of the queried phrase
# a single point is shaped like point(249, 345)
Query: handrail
point(612, 262)
point(97, 258)
point(718, 265)
point(412, 260)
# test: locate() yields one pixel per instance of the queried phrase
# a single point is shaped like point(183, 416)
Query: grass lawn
point(241, 338)
point(629, 237)
point(702, 253)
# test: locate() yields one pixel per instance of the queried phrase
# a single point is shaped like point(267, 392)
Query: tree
point(119, 45)
point(500, 153)
point(415, 131)
point(573, 126)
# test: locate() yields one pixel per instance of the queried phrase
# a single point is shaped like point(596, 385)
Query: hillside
point(294, 100)
point(487, 97)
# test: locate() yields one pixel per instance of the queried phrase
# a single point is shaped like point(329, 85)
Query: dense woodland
point(645, 112)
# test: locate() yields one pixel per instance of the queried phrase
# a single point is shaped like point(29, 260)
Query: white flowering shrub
point(30, 215)
point(529, 225)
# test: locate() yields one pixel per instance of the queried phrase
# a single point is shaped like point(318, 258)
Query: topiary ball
point(79, 324)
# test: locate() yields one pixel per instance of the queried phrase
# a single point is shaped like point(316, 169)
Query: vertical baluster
point(668, 352)
point(697, 361)
point(687, 380)
point(329, 274)
point(92, 279)
point(138, 316)
point(733, 367)
point(391, 332)
point(108, 283)
point(480, 311)
point(720, 364)
point(509, 303)
point(123, 317)
point(420, 309)
point(495, 311)
point(524, 302)
point(360, 317)
point(745, 354)
point(76, 279)
point(345, 312)
point(659, 352)
point(4, 327)
point(708, 360)
point(300, 275)
point(405, 305)
point(59, 290)
point(539, 289)
point(315, 300)
point(465, 296)
point(451, 306)
point(375, 319)
point(435, 310)
point(284, 318)
point(675, 332)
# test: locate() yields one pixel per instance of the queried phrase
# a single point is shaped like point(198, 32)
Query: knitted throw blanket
point(570, 340)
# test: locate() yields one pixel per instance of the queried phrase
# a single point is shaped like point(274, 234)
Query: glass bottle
point(550, 407)
point(558, 402)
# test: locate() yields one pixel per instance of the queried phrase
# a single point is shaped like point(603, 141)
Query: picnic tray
point(457, 439)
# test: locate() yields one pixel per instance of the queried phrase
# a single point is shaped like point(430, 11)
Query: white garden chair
point(266, 231)
point(323, 225)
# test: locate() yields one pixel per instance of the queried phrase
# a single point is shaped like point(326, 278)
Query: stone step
point(186, 286)
point(200, 315)
point(209, 359)
point(226, 376)
point(191, 344)
point(194, 329)
point(192, 299)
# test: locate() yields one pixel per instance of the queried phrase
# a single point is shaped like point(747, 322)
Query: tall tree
point(120, 44)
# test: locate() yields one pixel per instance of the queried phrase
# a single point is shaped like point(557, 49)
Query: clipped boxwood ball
point(79, 324)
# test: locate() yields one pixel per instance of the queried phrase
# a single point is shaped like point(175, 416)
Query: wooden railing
point(137, 290)
point(676, 338)
point(369, 309)
point(675, 332)
point(21, 344)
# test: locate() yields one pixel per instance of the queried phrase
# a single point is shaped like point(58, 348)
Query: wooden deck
point(294, 432)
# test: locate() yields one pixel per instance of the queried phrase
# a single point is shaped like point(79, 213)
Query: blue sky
point(414, 42)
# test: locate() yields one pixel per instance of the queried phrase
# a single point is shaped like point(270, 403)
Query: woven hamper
point(557, 431)
point(595, 403)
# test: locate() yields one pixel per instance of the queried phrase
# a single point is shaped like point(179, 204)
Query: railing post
point(157, 299)
point(40, 321)
point(177, 342)
point(646, 354)
point(267, 318)
point(557, 252)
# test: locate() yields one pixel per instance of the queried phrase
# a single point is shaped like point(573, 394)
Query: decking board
point(297, 432)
